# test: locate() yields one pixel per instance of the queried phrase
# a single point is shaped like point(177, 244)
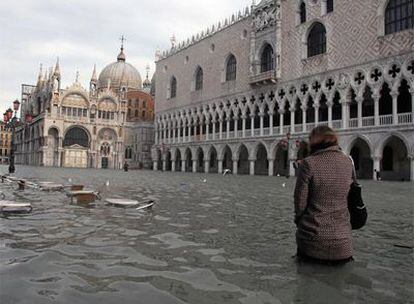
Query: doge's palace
point(243, 94)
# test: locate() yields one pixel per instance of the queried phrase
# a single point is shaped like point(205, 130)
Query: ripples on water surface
point(227, 240)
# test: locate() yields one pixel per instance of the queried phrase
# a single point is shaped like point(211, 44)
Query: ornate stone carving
point(265, 18)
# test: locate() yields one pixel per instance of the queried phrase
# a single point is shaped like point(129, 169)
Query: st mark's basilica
point(103, 127)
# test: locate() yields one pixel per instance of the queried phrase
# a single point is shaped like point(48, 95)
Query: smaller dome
point(146, 82)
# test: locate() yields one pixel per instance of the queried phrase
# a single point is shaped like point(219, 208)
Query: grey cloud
point(83, 33)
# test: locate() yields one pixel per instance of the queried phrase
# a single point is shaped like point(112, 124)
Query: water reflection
point(227, 240)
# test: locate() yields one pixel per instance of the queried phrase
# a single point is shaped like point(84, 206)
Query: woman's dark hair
point(322, 137)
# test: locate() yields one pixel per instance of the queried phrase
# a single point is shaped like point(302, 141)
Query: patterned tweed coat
point(321, 207)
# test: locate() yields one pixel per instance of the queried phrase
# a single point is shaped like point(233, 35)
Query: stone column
point(244, 126)
point(156, 136)
point(316, 107)
point(207, 130)
point(221, 129)
point(252, 125)
point(201, 129)
point(194, 166)
point(377, 166)
point(183, 166)
point(271, 166)
point(164, 136)
point(214, 129)
point(174, 135)
point(195, 132)
point(170, 133)
point(207, 166)
point(292, 121)
point(345, 114)
point(189, 133)
point(304, 119)
point(236, 119)
point(173, 166)
point(164, 165)
point(228, 127)
point(330, 105)
point(155, 166)
point(412, 110)
point(411, 158)
point(359, 101)
point(252, 162)
point(394, 96)
point(220, 166)
point(281, 112)
point(235, 167)
point(291, 168)
point(271, 123)
point(376, 98)
point(261, 124)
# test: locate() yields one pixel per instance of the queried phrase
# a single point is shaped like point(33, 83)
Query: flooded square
point(208, 239)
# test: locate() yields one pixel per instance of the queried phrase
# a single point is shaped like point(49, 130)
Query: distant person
point(321, 207)
point(126, 167)
point(377, 174)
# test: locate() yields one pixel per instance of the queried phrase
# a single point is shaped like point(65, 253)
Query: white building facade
point(244, 94)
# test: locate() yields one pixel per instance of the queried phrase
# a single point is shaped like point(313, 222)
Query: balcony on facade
point(263, 78)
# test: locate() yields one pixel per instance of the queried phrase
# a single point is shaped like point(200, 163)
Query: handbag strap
point(353, 168)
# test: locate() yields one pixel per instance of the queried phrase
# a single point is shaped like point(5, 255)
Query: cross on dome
point(121, 56)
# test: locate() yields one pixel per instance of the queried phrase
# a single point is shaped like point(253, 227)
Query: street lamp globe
point(16, 105)
point(9, 113)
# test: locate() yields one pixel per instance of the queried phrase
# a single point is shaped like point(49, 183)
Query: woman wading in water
point(321, 208)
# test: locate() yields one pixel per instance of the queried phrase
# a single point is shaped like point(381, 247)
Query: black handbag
point(357, 209)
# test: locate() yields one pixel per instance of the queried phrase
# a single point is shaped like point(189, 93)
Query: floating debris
point(15, 207)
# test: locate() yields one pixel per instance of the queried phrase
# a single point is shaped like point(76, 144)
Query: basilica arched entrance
point(395, 164)
point(105, 151)
point(107, 154)
point(76, 145)
point(361, 154)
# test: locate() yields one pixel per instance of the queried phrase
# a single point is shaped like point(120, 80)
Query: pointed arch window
point(302, 12)
point(199, 79)
point(231, 68)
point(329, 6)
point(399, 16)
point(267, 59)
point(173, 87)
point(317, 40)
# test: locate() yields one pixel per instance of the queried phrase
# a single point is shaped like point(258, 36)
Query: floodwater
point(209, 239)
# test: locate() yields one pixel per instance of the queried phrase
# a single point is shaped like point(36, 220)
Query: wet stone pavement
point(209, 239)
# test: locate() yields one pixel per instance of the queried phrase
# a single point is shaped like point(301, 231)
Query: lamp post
point(286, 143)
point(11, 123)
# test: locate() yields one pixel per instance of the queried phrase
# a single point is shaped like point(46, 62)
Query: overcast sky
point(84, 32)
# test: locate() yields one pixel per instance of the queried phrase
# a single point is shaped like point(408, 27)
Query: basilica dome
point(120, 74)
